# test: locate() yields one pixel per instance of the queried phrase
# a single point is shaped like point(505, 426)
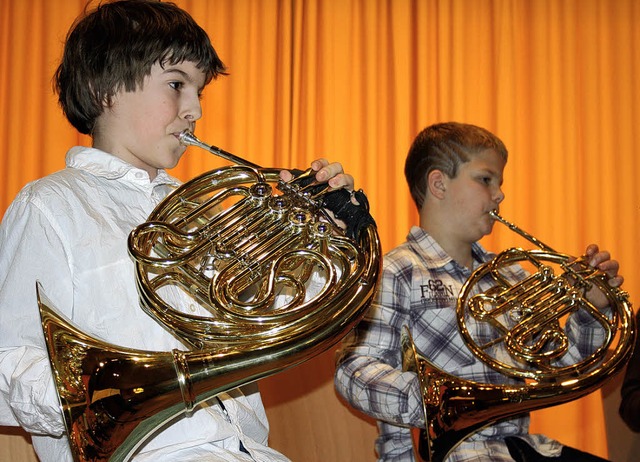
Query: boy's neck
point(458, 249)
point(106, 146)
point(460, 253)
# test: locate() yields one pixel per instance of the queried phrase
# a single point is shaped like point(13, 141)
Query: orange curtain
point(355, 80)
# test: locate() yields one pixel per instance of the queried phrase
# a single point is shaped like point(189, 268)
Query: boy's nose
point(192, 110)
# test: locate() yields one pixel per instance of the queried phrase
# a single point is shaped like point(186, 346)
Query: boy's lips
point(179, 132)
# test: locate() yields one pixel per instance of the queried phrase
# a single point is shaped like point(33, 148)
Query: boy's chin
point(172, 162)
point(487, 224)
point(485, 231)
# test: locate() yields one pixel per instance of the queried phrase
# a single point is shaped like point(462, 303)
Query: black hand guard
point(356, 217)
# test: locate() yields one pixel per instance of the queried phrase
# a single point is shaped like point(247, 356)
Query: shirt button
point(139, 175)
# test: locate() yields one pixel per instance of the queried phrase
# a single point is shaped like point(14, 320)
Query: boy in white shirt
point(131, 76)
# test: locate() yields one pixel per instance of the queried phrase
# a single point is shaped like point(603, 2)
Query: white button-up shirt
point(69, 232)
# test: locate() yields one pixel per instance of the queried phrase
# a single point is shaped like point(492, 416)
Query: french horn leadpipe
point(187, 138)
point(526, 317)
point(228, 242)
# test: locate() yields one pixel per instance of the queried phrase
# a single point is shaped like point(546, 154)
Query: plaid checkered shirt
point(419, 287)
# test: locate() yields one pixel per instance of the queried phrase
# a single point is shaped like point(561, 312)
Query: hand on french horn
point(601, 259)
point(349, 209)
point(326, 172)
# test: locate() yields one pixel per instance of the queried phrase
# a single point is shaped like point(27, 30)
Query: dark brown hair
point(115, 45)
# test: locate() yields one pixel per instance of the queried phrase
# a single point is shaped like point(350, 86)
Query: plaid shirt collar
point(433, 255)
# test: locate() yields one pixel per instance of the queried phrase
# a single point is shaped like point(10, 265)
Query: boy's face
point(473, 193)
point(141, 126)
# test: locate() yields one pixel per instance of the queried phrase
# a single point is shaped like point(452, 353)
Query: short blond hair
point(444, 147)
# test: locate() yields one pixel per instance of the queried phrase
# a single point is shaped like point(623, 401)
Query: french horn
point(527, 320)
point(227, 241)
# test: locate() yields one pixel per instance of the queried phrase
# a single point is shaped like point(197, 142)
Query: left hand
point(601, 259)
point(341, 203)
point(327, 172)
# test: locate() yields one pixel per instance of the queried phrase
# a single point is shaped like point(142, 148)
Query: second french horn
point(528, 344)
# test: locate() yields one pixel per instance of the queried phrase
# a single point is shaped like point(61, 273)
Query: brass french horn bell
point(227, 241)
point(528, 344)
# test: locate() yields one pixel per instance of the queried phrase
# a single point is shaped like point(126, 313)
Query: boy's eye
point(176, 85)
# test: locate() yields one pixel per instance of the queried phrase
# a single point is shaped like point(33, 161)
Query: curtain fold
point(355, 80)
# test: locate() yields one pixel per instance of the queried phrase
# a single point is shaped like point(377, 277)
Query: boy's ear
point(436, 183)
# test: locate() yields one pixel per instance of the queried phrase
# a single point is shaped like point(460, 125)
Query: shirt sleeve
point(31, 251)
point(586, 334)
point(369, 371)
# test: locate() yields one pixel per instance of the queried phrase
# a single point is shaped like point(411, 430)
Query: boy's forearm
point(380, 390)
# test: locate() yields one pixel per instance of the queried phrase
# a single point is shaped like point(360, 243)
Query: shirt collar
point(433, 254)
point(103, 164)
